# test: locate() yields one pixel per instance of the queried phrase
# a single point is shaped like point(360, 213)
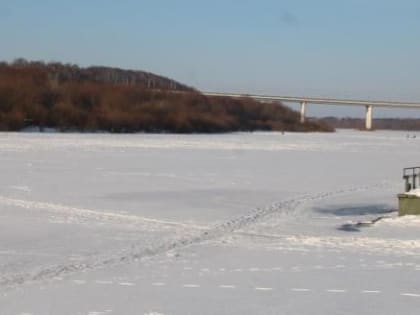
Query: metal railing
point(411, 176)
point(319, 100)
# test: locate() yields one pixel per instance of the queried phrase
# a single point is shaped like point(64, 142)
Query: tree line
point(68, 97)
point(378, 123)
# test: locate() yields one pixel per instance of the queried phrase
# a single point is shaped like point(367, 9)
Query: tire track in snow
point(90, 214)
point(410, 295)
point(372, 244)
point(51, 272)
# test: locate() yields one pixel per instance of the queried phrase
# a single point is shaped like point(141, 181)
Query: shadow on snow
point(377, 210)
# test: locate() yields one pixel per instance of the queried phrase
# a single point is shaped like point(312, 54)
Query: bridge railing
point(411, 176)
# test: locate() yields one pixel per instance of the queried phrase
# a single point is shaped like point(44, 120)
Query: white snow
point(243, 223)
point(413, 192)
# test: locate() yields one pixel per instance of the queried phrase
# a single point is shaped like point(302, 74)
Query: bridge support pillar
point(368, 124)
point(302, 112)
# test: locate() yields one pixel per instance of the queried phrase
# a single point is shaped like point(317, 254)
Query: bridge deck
point(323, 101)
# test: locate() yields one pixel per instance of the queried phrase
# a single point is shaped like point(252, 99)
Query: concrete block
point(408, 204)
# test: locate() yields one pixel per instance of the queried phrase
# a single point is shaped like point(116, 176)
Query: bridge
point(304, 101)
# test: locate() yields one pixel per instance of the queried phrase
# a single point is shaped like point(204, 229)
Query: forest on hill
point(71, 98)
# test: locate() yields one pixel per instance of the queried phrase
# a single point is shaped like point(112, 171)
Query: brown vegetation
point(71, 98)
point(378, 123)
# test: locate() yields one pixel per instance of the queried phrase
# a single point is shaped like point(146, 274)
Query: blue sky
point(349, 49)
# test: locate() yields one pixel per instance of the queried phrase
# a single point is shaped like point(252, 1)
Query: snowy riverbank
point(242, 223)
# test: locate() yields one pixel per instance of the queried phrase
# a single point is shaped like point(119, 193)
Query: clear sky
point(368, 49)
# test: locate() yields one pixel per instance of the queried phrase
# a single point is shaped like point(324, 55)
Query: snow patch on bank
point(402, 221)
point(414, 192)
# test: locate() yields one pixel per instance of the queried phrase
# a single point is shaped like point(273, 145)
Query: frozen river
point(243, 223)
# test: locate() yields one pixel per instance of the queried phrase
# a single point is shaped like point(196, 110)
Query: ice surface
point(243, 223)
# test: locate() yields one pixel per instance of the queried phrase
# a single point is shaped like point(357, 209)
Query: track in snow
point(202, 233)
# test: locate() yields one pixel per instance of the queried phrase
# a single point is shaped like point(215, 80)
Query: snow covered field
point(245, 223)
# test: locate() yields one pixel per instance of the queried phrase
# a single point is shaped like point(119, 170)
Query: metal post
point(369, 117)
point(407, 187)
point(302, 112)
